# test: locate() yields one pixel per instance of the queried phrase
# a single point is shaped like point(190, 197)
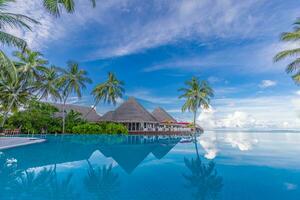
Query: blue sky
point(154, 46)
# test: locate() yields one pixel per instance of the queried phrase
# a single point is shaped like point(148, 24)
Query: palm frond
point(284, 54)
point(10, 40)
point(55, 7)
point(293, 66)
point(290, 36)
point(296, 78)
point(16, 20)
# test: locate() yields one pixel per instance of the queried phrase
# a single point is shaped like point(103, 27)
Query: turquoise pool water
point(222, 165)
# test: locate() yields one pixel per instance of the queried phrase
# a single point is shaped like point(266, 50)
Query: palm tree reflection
point(43, 184)
point(203, 178)
point(102, 182)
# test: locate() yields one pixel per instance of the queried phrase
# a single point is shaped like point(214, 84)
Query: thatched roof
point(129, 111)
point(83, 110)
point(162, 116)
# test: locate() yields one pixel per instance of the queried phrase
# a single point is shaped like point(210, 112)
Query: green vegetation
point(40, 117)
point(28, 77)
point(72, 80)
point(35, 118)
point(55, 6)
point(292, 37)
point(197, 95)
point(109, 91)
point(100, 128)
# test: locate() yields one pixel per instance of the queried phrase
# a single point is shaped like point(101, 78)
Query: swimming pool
point(220, 165)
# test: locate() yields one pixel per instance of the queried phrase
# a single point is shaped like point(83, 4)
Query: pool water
point(219, 165)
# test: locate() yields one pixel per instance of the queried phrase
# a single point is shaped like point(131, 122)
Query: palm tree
point(13, 93)
point(30, 65)
point(48, 86)
point(197, 94)
point(73, 80)
point(293, 67)
point(109, 91)
point(55, 6)
point(12, 20)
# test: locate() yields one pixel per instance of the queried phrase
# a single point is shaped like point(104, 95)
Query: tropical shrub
point(100, 128)
point(87, 128)
point(34, 118)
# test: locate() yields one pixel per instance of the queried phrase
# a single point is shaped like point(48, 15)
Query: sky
point(155, 46)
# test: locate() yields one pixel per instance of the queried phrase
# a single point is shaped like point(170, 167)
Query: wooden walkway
point(11, 142)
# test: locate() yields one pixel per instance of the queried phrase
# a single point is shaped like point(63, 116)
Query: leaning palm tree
point(12, 20)
point(293, 67)
point(55, 6)
point(197, 94)
point(14, 93)
point(73, 80)
point(108, 91)
point(48, 86)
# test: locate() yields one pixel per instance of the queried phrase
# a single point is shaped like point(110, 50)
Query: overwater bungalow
point(138, 120)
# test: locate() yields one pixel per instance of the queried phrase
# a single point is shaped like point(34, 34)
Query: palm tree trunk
point(195, 138)
point(64, 117)
point(5, 116)
point(93, 107)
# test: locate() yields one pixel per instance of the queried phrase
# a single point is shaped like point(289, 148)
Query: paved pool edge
point(18, 142)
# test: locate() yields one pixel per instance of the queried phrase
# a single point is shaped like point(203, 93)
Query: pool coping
point(23, 143)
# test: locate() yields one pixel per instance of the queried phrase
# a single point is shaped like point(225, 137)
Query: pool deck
point(11, 142)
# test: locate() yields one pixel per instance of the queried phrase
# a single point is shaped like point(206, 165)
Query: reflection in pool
point(219, 165)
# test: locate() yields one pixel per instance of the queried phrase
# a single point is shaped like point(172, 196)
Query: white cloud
point(298, 92)
point(237, 119)
point(253, 113)
point(48, 30)
point(141, 29)
point(267, 83)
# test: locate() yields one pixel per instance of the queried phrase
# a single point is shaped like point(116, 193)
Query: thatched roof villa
point(134, 116)
point(86, 112)
point(138, 120)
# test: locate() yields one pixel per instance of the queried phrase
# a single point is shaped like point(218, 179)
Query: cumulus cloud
point(248, 113)
point(267, 83)
point(237, 119)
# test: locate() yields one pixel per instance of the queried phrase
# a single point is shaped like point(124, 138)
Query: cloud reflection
point(208, 143)
point(244, 142)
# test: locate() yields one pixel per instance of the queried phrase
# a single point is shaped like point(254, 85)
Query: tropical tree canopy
point(11, 20)
point(109, 91)
point(55, 6)
point(197, 94)
point(73, 80)
point(292, 68)
point(48, 86)
point(30, 65)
